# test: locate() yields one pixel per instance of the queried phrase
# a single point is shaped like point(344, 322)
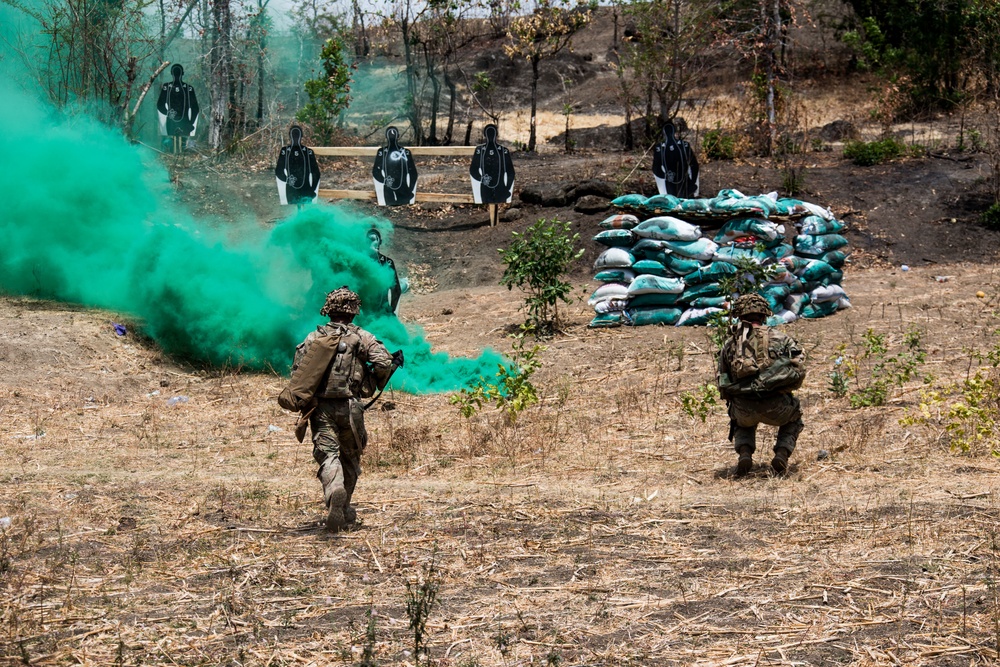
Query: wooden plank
point(437, 197)
point(370, 151)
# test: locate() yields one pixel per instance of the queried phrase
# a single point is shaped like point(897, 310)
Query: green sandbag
point(710, 302)
point(703, 249)
point(775, 296)
point(705, 289)
point(813, 311)
point(665, 203)
point(646, 284)
point(616, 276)
point(697, 207)
point(629, 201)
point(733, 254)
point(814, 246)
point(620, 221)
point(651, 267)
point(814, 225)
point(765, 230)
point(606, 321)
point(790, 208)
point(653, 300)
point(682, 266)
point(642, 316)
point(836, 258)
point(814, 270)
point(832, 278)
point(781, 250)
point(616, 238)
point(710, 273)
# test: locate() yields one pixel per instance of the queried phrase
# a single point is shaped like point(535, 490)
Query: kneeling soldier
point(758, 370)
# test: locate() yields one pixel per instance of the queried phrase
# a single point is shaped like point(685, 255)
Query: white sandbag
point(826, 293)
point(614, 258)
point(648, 284)
point(666, 228)
point(610, 306)
point(843, 303)
point(694, 316)
point(608, 291)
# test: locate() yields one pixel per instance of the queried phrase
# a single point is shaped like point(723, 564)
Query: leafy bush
point(868, 153)
point(874, 373)
point(699, 403)
point(991, 217)
point(330, 94)
point(718, 145)
point(536, 262)
point(512, 392)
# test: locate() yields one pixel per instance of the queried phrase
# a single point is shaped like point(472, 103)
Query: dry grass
point(605, 530)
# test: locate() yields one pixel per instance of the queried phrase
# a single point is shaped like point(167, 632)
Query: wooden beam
point(437, 197)
point(370, 151)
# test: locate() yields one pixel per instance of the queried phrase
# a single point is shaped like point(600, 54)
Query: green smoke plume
point(85, 218)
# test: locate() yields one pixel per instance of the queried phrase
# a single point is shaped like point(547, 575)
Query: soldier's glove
point(397, 358)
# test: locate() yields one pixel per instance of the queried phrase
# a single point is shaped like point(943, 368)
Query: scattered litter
point(5, 522)
point(904, 267)
point(35, 436)
point(174, 400)
point(271, 428)
point(153, 393)
point(120, 329)
point(981, 294)
point(942, 279)
point(822, 455)
point(70, 496)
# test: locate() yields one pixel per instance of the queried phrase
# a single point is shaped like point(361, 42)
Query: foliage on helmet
point(341, 300)
point(750, 304)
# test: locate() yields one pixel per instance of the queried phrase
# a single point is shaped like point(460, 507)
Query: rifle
point(397, 362)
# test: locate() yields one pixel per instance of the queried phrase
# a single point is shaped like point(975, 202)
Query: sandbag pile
point(663, 270)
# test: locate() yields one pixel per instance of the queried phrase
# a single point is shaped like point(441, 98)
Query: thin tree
point(541, 36)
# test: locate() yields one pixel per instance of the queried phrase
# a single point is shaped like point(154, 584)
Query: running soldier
point(334, 367)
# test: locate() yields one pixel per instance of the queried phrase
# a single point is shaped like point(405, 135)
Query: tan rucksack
point(312, 361)
point(748, 352)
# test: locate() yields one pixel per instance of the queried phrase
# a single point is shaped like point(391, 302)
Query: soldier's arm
point(378, 358)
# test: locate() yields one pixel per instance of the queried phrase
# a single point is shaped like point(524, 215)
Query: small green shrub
point(719, 145)
point(868, 378)
point(699, 404)
point(512, 392)
point(868, 153)
point(536, 262)
point(991, 217)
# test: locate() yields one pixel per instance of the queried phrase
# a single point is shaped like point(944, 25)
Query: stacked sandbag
point(663, 270)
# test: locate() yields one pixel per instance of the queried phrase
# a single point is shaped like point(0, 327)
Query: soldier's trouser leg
point(331, 428)
point(744, 427)
point(781, 410)
point(351, 449)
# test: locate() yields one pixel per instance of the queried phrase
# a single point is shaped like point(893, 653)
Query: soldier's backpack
point(747, 354)
point(325, 363)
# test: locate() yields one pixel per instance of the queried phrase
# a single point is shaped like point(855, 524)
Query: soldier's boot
point(350, 515)
point(788, 435)
point(780, 461)
point(745, 463)
point(334, 493)
point(745, 442)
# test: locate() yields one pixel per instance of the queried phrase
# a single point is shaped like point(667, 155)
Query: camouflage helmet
point(341, 300)
point(750, 304)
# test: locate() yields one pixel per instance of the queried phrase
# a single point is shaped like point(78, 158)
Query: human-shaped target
point(675, 167)
point(394, 172)
point(297, 171)
point(492, 171)
point(177, 107)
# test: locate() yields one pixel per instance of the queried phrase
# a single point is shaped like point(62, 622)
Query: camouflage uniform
point(338, 420)
point(765, 397)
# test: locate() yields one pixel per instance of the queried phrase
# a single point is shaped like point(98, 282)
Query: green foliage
point(511, 393)
point(368, 658)
point(991, 217)
point(330, 94)
point(868, 153)
point(718, 145)
point(699, 404)
point(793, 179)
point(536, 262)
point(868, 377)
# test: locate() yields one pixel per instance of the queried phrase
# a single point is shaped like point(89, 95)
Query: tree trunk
point(432, 137)
point(221, 78)
point(532, 134)
point(261, 49)
point(452, 92)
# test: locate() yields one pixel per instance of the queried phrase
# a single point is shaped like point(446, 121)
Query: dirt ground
point(153, 513)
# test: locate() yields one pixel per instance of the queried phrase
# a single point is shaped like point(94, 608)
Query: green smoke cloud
point(85, 218)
